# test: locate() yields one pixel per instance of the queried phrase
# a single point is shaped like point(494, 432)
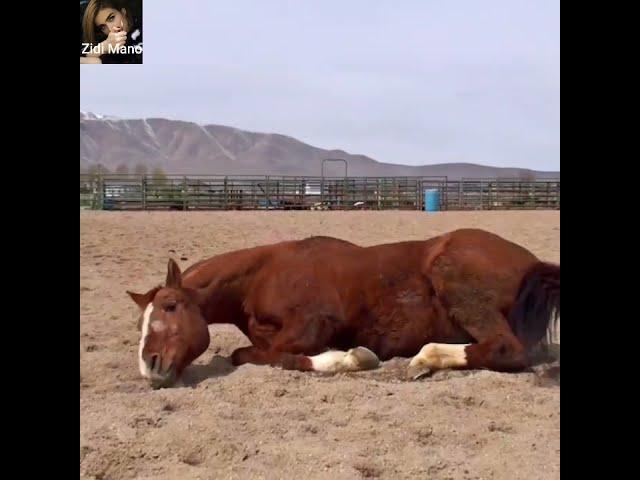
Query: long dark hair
point(91, 34)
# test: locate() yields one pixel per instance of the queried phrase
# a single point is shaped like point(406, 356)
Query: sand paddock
point(262, 422)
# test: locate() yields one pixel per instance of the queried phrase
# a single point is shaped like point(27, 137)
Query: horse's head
point(173, 331)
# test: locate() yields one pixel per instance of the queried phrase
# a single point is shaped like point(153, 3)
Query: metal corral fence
point(210, 192)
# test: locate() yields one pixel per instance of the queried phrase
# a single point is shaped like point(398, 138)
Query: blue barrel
point(431, 200)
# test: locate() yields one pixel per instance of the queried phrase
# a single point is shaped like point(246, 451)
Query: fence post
point(444, 203)
point(184, 193)
point(143, 188)
point(396, 192)
point(226, 195)
point(266, 193)
point(95, 191)
point(366, 193)
point(101, 190)
point(548, 194)
point(345, 195)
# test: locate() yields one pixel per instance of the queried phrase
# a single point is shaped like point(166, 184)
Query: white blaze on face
point(158, 326)
point(146, 318)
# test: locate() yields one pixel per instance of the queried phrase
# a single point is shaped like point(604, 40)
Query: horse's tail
point(535, 316)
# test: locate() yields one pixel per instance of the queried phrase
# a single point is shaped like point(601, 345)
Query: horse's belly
point(400, 328)
point(398, 333)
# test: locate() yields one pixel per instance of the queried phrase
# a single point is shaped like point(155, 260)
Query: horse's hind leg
point(500, 351)
point(497, 348)
point(475, 296)
point(472, 305)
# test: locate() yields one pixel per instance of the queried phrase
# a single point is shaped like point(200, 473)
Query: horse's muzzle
point(163, 379)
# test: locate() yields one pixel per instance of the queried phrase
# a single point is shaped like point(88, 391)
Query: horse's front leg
point(359, 358)
point(302, 344)
point(257, 356)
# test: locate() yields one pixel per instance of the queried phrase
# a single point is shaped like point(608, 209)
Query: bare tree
point(140, 169)
point(527, 176)
point(122, 169)
point(159, 176)
point(102, 169)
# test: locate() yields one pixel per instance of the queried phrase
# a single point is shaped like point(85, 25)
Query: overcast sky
point(413, 82)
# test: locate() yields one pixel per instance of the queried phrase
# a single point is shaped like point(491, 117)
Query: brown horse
point(465, 299)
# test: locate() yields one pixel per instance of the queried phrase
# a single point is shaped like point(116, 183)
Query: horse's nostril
point(154, 361)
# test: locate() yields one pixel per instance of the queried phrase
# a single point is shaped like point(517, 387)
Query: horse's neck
point(224, 281)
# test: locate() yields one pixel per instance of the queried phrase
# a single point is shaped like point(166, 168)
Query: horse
point(466, 299)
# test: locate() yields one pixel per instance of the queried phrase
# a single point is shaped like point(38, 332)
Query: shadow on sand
point(218, 366)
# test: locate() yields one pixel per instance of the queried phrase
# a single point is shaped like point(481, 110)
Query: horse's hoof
point(365, 359)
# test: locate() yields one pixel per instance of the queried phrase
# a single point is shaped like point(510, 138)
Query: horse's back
point(302, 270)
point(479, 250)
point(323, 240)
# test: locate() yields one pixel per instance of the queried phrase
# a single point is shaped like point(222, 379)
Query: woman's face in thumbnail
point(111, 20)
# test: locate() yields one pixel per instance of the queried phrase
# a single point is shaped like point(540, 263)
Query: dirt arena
point(262, 422)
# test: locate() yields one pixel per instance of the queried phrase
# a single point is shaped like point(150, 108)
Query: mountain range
point(189, 148)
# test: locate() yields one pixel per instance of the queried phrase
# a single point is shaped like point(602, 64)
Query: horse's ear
point(143, 299)
point(174, 276)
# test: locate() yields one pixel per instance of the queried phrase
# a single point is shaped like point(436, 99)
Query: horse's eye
point(170, 307)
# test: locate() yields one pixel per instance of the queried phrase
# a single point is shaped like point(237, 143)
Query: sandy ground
point(262, 422)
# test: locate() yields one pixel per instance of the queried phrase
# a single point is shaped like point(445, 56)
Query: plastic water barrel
point(431, 200)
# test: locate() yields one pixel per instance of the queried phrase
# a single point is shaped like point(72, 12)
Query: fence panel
point(245, 192)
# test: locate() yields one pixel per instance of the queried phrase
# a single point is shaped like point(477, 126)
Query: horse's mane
point(194, 266)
